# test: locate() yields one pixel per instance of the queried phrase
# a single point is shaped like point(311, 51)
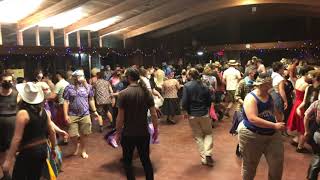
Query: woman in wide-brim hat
point(33, 126)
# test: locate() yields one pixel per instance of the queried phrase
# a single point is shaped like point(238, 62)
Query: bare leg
point(83, 140)
point(75, 145)
point(109, 115)
point(302, 140)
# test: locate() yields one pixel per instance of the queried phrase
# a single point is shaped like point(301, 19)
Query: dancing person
point(244, 87)
point(260, 66)
point(171, 105)
point(311, 94)
point(103, 98)
point(57, 96)
point(196, 100)
point(231, 77)
point(132, 127)
point(259, 134)
point(278, 82)
point(312, 132)
point(8, 110)
point(78, 98)
point(32, 129)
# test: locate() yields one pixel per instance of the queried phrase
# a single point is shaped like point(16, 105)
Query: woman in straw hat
point(33, 126)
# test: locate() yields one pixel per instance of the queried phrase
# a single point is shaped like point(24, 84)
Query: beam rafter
point(53, 10)
point(106, 14)
point(210, 6)
point(166, 9)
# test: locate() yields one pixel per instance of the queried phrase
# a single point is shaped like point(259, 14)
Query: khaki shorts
point(230, 96)
point(79, 126)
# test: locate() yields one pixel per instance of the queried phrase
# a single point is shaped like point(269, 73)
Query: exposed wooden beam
point(210, 19)
point(53, 10)
point(106, 14)
point(166, 9)
point(210, 6)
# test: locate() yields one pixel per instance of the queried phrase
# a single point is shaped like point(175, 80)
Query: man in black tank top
point(8, 109)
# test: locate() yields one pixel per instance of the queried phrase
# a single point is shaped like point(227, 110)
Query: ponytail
point(143, 86)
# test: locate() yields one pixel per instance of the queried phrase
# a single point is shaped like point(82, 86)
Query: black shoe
point(302, 150)
point(293, 143)
point(170, 121)
point(209, 161)
point(101, 129)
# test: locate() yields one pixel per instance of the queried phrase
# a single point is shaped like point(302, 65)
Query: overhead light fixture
point(63, 19)
point(254, 9)
point(102, 24)
point(11, 11)
point(200, 53)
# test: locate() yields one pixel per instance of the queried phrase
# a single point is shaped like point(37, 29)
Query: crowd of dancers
point(266, 104)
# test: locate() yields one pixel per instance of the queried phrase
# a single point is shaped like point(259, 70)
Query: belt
point(261, 132)
point(33, 144)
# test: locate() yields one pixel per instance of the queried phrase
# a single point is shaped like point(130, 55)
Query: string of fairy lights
point(307, 49)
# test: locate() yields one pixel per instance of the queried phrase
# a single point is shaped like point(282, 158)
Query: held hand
point(155, 135)
point(53, 153)
point(118, 137)
point(6, 166)
point(298, 111)
point(67, 118)
point(64, 134)
point(96, 114)
point(280, 126)
point(306, 133)
point(285, 105)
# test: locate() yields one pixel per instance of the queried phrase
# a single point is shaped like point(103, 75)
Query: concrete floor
point(176, 157)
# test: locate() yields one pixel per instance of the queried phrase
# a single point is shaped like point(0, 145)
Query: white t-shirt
point(232, 77)
point(276, 79)
point(59, 89)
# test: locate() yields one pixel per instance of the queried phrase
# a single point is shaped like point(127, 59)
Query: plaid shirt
point(313, 111)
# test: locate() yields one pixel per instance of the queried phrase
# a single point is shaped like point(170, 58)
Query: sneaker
point(209, 161)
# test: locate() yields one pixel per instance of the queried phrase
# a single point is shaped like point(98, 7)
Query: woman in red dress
point(295, 121)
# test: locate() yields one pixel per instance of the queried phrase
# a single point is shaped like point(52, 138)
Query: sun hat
point(94, 71)
point(233, 63)
point(262, 79)
point(30, 93)
point(216, 64)
point(78, 73)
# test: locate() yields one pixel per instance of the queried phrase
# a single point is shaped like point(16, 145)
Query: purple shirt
point(78, 99)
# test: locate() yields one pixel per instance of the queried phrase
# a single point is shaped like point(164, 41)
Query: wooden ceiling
point(138, 17)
